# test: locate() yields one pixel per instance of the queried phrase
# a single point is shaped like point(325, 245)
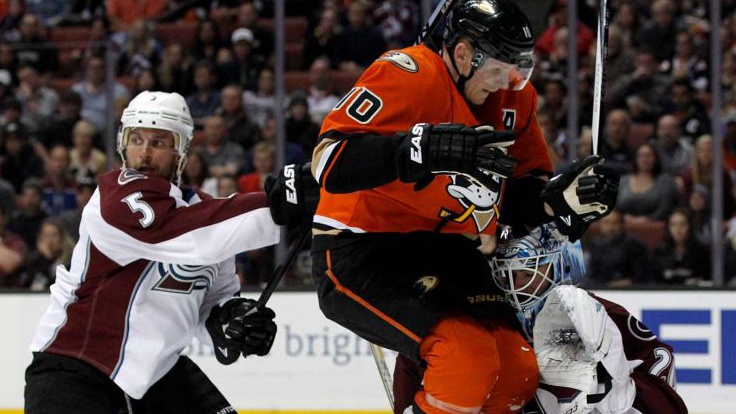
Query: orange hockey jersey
point(398, 90)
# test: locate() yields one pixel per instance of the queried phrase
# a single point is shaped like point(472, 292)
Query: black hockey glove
point(428, 149)
point(293, 195)
point(581, 195)
point(233, 333)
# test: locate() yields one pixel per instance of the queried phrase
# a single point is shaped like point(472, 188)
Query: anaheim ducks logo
point(401, 60)
point(426, 283)
point(479, 201)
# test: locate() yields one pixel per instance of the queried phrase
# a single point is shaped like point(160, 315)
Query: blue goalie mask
point(529, 267)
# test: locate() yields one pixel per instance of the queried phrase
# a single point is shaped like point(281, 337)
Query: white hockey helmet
point(167, 111)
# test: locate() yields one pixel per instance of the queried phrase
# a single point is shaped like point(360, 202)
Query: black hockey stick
point(278, 273)
point(601, 52)
point(434, 20)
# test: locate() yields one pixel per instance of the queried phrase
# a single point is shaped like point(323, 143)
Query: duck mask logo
point(478, 201)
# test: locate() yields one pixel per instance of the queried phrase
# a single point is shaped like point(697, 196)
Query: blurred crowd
point(59, 96)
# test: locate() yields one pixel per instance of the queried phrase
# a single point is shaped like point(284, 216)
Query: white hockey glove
point(581, 195)
point(580, 355)
point(426, 150)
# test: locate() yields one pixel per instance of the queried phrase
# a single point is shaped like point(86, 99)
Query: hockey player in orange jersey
point(410, 180)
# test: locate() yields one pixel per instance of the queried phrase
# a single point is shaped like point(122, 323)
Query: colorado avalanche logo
point(182, 278)
point(479, 201)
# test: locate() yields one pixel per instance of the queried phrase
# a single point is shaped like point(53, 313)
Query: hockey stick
point(434, 20)
point(388, 382)
point(280, 271)
point(601, 51)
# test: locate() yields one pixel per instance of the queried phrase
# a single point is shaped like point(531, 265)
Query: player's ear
point(463, 54)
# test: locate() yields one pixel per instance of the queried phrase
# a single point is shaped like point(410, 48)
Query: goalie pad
point(580, 354)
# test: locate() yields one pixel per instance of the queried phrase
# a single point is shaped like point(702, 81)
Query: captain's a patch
point(401, 60)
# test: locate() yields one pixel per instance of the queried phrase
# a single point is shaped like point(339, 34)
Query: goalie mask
point(528, 268)
point(159, 110)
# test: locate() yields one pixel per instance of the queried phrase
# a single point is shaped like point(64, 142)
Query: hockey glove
point(233, 333)
point(581, 195)
point(426, 150)
point(293, 195)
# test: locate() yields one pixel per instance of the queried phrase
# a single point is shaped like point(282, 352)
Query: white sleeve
point(225, 287)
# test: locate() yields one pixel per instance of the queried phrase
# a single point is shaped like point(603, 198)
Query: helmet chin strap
point(477, 61)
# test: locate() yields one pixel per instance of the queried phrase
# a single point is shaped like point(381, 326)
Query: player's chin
point(479, 97)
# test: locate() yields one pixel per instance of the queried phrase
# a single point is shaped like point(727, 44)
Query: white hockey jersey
point(149, 266)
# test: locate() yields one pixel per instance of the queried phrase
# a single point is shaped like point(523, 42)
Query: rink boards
point(316, 366)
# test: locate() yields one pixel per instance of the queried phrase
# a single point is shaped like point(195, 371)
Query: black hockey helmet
point(496, 28)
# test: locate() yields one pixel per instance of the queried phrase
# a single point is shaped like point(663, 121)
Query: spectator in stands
point(627, 23)
point(11, 112)
point(699, 205)
point(227, 185)
point(558, 19)
point(358, 44)
point(84, 12)
point(728, 75)
point(641, 91)
point(7, 192)
point(556, 138)
point(205, 99)
point(84, 159)
point(674, 151)
point(8, 61)
point(145, 80)
point(70, 219)
point(613, 147)
point(13, 250)
point(249, 17)
point(207, 41)
point(58, 185)
point(21, 161)
point(175, 70)
point(321, 95)
point(31, 89)
point(53, 248)
point(222, 157)
point(685, 63)
point(94, 94)
point(659, 33)
point(97, 44)
point(553, 100)
point(553, 65)
point(620, 58)
point(240, 129)
point(681, 259)
point(729, 141)
point(691, 114)
point(261, 102)
point(49, 12)
point(299, 127)
point(123, 13)
point(196, 174)
point(398, 21)
point(141, 50)
point(700, 172)
point(238, 64)
point(320, 40)
point(616, 259)
point(264, 163)
point(27, 218)
point(293, 152)
point(647, 193)
point(10, 21)
point(61, 124)
point(6, 84)
point(32, 48)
